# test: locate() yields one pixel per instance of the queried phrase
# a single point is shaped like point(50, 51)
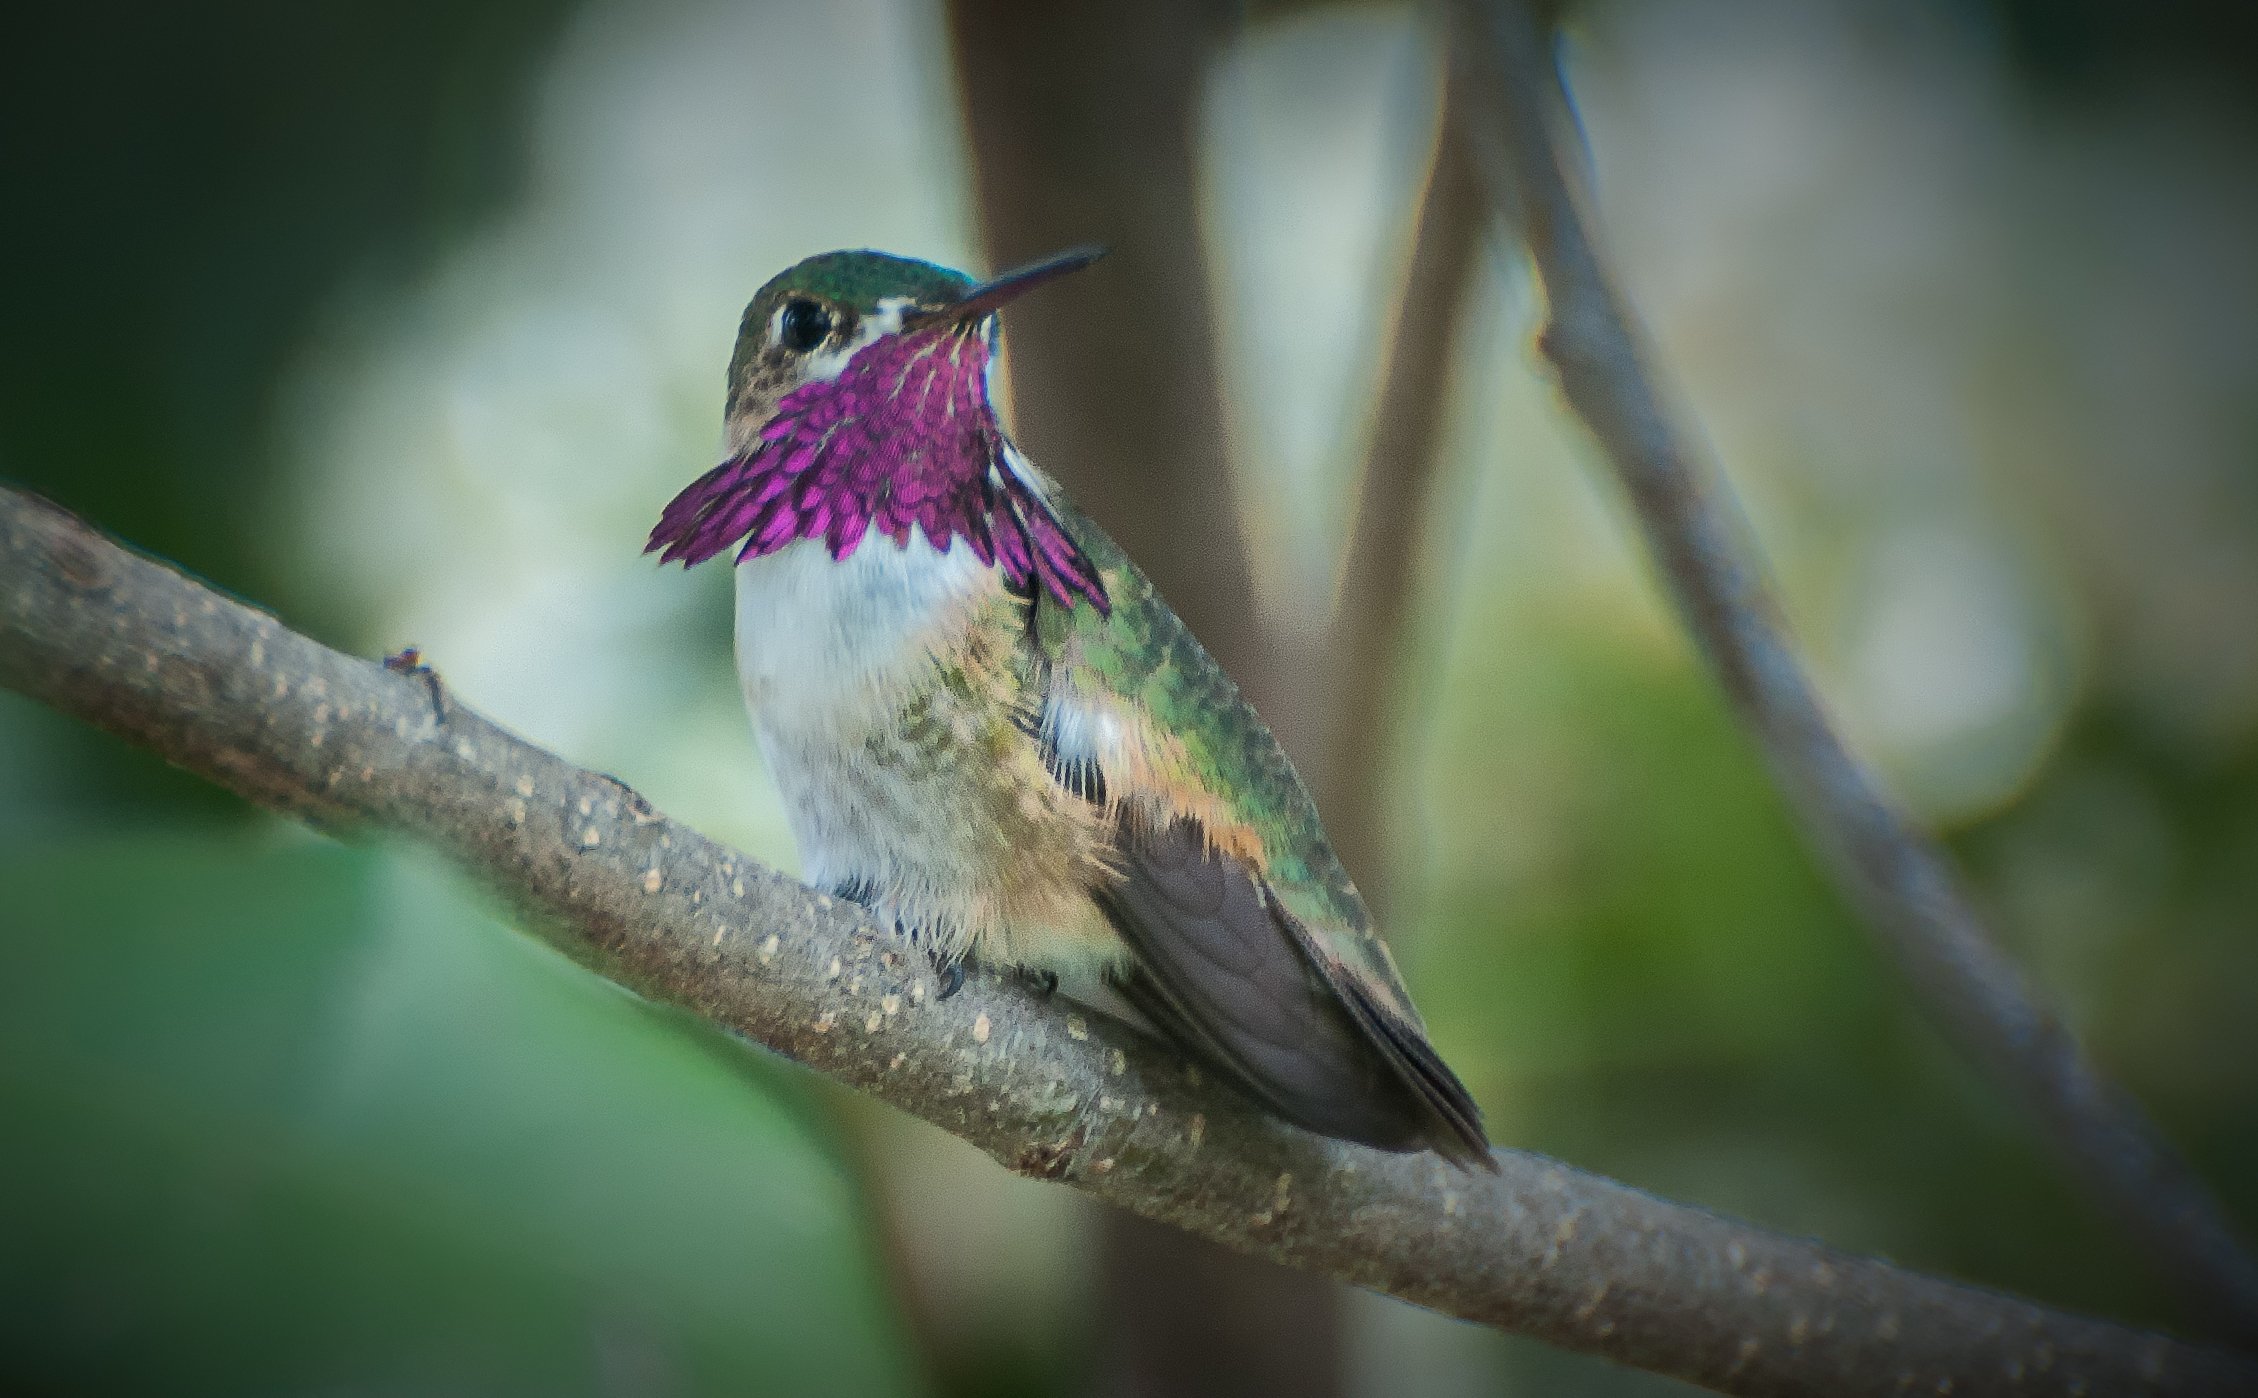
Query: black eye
point(804, 326)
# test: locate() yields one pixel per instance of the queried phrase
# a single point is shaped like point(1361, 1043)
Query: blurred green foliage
point(188, 186)
point(284, 1117)
point(279, 1116)
point(1674, 995)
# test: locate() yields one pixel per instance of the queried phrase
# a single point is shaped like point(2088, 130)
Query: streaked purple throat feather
point(904, 438)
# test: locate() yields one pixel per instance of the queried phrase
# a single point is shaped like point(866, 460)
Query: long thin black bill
point(987, 296)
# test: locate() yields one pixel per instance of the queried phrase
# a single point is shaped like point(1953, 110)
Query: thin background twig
point(1366, 646)
point(1902, 884)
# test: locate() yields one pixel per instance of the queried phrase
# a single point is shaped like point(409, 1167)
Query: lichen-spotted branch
point(129, 644)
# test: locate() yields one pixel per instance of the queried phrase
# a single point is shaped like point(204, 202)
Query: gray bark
point(228, 692)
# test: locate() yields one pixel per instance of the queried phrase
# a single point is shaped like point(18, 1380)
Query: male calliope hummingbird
point(990, 730)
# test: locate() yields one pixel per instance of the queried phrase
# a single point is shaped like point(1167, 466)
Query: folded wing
point(1252, 949)
point(1229, 974)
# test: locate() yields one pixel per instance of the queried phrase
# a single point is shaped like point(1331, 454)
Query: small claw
point(1044, 984)
point(409, 661)
point(952, 977)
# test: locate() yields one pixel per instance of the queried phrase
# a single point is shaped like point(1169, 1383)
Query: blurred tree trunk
point(1084, 126)
point(1083, 121)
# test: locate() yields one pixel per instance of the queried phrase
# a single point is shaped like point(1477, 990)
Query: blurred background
point(403, 319)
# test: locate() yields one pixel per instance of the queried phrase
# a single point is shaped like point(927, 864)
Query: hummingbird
point(990, 730)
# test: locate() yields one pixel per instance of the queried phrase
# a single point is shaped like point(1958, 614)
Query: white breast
point(891, 780)
point(821, 643)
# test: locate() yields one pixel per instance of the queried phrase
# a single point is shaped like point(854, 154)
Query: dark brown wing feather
point(1228, 974)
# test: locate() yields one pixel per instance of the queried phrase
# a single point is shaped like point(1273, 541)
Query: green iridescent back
point(1143, 653)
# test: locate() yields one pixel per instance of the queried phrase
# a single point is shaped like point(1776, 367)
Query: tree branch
point(1901, 883)
point(128, 644)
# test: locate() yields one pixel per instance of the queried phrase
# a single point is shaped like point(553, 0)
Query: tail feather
point(1226, 972)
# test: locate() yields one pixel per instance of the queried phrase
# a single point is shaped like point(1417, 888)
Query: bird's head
point(858, 406)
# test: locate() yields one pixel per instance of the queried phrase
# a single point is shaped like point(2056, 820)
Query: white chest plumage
point(829, 651)
point(820, 641)
point(929, 803)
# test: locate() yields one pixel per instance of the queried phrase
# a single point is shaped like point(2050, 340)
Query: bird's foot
point(951, 972)
point(1044, 984)
point(948, 967)
point(409, 661)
